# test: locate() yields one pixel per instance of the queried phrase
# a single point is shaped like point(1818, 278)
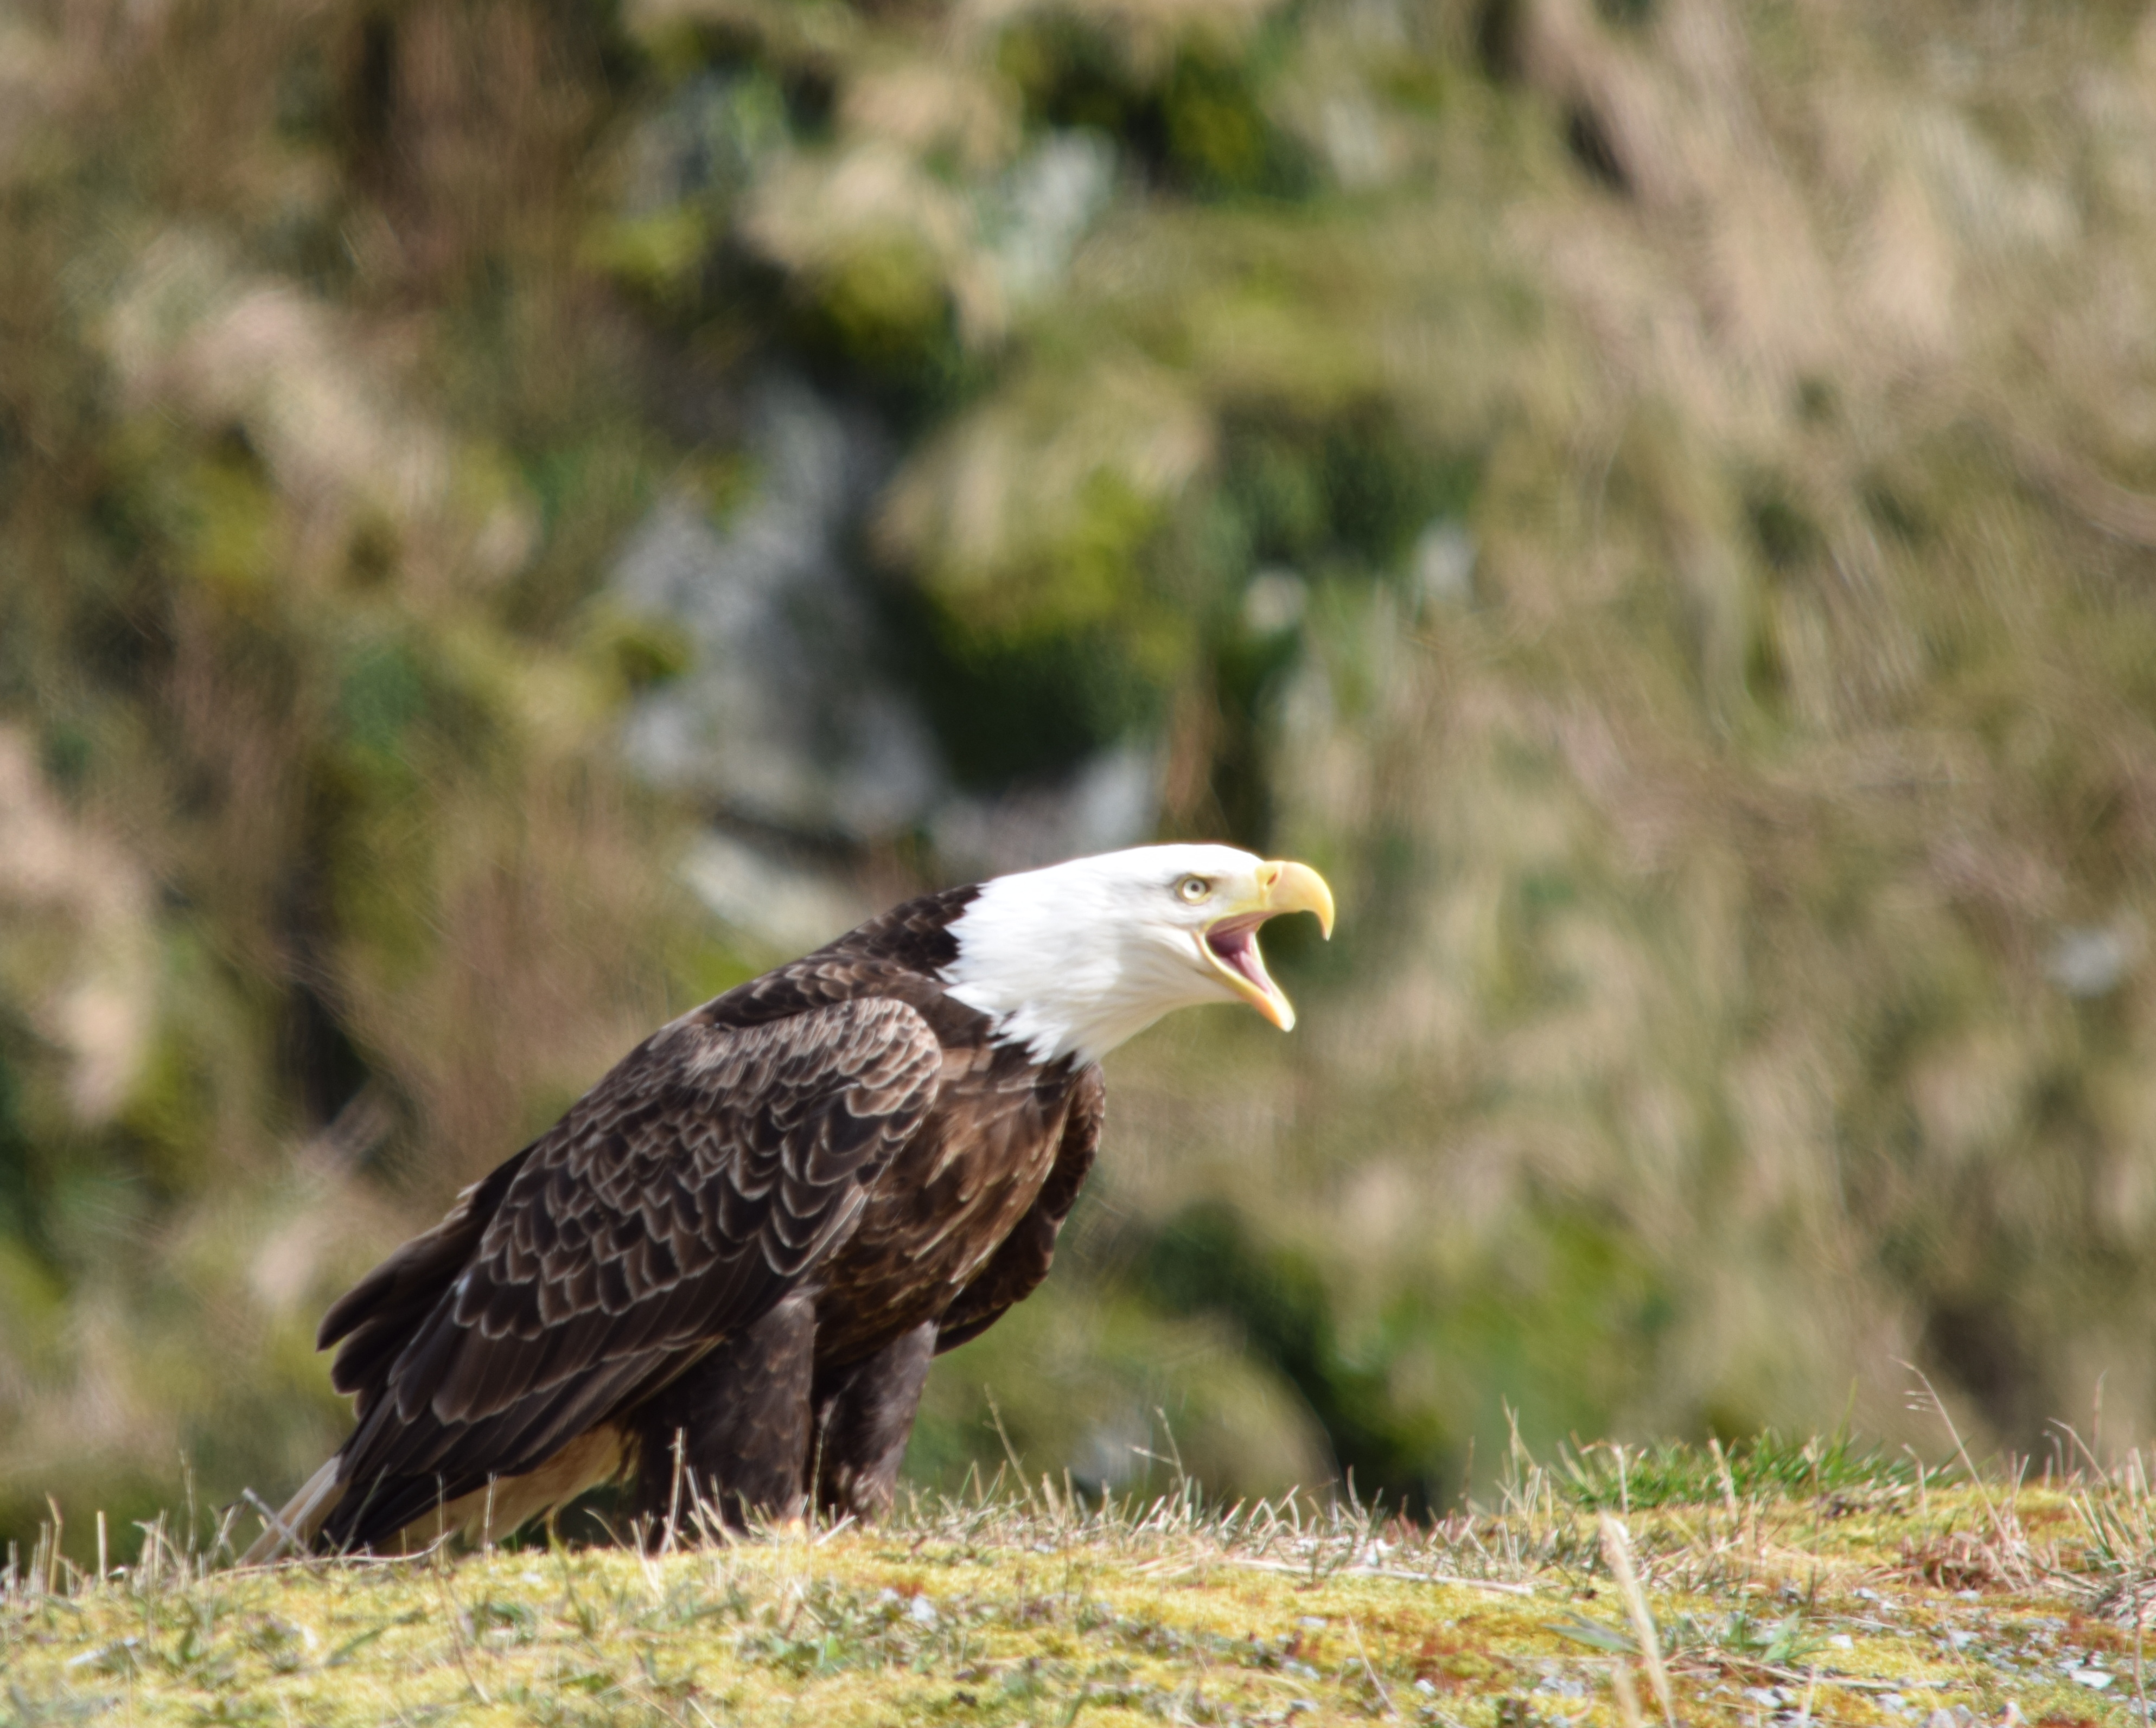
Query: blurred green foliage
point(1648, 497)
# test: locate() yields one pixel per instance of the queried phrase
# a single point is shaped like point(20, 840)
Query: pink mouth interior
point(1234, 943)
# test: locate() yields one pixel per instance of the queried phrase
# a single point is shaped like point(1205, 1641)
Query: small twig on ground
point(1362, 1656)
point(1385, 1571)
point(457, 1637)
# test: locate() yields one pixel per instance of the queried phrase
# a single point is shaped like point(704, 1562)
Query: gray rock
point(2093, 959)
point(790, 718)
point(787, 716)
point(1111, 801)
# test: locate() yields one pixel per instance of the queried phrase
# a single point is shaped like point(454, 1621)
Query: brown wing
point(1014, 1271)
point(699, 1181)
point(376, 1316)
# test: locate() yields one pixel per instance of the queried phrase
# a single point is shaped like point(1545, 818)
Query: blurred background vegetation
point(516, 514)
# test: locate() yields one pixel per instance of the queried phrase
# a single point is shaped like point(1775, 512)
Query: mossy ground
point(1884, 1596)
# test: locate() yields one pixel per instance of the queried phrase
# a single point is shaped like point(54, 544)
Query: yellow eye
point(1193, 889)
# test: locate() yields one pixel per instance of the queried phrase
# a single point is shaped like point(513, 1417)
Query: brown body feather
point(734, 1257)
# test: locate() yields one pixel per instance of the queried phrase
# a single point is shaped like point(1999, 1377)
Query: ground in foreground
point(1619, 1590)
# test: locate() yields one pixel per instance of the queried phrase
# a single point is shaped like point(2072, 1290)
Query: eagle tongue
point(1235, 941)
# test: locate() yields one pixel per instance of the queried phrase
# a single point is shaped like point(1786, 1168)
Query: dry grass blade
point(1370, 1674)
point(1617, 1550)
point(2013, 1556)
point(1627, 1694)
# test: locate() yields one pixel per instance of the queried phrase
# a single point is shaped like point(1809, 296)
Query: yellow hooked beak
point(1231, 939)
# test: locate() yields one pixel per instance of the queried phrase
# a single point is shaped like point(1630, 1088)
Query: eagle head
point(1071, 960)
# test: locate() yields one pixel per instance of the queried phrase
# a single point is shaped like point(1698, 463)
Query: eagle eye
point(1193, 889)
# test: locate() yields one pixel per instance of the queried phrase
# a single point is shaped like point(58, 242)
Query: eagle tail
point(295, 1525)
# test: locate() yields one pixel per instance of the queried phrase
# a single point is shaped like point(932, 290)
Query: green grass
point(1607, 1476)
point(1885, 1594)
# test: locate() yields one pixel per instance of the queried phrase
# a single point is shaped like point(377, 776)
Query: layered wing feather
point(706, 1177)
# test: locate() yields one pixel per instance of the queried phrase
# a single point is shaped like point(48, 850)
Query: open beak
point(1231, 940)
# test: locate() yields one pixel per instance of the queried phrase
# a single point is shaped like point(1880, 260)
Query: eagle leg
point(738, 1421)
point(864, 1418)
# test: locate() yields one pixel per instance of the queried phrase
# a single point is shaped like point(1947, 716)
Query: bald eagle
point(731, 1263)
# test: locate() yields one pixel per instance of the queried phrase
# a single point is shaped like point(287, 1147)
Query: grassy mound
point(1798, 1584)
